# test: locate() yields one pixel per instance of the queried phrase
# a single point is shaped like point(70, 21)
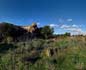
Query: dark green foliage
point(47, 31)
point(4, 47)
point(67, 34)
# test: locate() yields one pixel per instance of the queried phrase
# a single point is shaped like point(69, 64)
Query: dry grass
point(68, 53)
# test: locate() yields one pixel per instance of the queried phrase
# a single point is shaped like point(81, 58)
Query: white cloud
point(75, 25)
point(64, 26)
point(38, 23)
point(53, 25)
point(74, 29)
point(69, 20)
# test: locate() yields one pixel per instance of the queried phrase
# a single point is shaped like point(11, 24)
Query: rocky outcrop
point(31, 28)
point(31, 32)
point(19, 33)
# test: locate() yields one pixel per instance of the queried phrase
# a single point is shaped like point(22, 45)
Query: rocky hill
point(31, 28)
point(13, 32)
point(18, 32)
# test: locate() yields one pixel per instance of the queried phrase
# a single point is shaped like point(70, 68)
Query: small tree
point(67, 34)
point(47, 31)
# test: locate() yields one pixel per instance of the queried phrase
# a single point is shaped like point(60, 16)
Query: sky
point(62, 15)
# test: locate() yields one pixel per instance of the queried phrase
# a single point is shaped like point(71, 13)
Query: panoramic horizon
point(42, 34)
point(63, 16)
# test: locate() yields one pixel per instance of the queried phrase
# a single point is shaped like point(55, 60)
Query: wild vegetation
point(59, 52)
point(18, 33)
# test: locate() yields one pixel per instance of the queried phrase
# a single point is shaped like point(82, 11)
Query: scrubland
point(62, 53)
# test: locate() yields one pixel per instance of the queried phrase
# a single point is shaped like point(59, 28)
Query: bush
point(47, 31)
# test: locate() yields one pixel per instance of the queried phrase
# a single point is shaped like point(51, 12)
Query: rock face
point(32, 32)
point(31, 28)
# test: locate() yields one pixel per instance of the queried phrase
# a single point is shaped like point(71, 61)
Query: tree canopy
point(47, 31)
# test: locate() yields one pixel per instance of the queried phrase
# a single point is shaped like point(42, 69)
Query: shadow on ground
point(5, 47)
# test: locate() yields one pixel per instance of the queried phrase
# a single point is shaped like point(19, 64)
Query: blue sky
point(62, 15)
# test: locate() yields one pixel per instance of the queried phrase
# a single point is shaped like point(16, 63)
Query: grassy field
point(63, 53)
